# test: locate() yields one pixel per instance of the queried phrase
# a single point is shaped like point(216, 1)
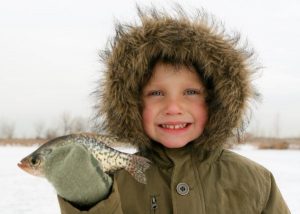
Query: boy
point(177, 89)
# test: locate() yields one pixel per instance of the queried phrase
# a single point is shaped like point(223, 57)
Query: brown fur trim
point(197, 39)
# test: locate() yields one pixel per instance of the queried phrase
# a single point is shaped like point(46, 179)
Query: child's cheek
point(147, 117)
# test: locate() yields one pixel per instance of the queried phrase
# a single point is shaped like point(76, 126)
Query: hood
point(225, 63)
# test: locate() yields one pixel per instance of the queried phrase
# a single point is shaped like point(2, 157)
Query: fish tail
point(137, 167)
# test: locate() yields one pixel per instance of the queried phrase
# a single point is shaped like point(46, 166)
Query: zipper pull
point(153, 203)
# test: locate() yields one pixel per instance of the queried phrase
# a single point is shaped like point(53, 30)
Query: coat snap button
point(182, 189)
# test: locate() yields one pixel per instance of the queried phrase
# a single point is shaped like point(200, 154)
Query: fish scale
point(109, 159)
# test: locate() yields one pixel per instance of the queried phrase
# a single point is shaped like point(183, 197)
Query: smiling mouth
point(174, 126)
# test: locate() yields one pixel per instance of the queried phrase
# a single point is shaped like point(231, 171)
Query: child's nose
point(173, 107)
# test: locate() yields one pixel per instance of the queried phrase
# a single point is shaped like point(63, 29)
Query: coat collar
point(167, 158)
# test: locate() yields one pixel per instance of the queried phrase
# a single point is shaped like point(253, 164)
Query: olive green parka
point(201, 177)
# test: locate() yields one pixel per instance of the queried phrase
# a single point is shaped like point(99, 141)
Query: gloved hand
point(77, 176)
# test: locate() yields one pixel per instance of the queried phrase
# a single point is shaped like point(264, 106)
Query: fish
point(98, 145)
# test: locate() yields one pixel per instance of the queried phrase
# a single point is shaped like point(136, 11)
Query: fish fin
point(137, 167)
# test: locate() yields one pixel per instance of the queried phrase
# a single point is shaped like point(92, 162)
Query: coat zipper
point(154, 205)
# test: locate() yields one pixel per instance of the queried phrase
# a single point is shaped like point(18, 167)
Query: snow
point(285, 166)
point(26, 194)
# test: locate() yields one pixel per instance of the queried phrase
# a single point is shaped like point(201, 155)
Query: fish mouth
point(20, 165)
point(23, 166)
point(26, 168)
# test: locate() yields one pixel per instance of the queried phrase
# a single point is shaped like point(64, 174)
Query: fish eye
point(35, 161)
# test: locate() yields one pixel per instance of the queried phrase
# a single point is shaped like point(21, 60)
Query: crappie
point(109, 159)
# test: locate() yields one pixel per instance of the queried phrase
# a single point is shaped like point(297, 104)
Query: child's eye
point(192, 91)
point(155, 93)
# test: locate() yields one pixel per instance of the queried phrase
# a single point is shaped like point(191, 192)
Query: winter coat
point(202, 177)
point(181, 181)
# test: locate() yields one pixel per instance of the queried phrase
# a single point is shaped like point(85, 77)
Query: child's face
point(175, 111)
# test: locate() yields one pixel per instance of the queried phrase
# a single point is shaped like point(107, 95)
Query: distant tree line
point(7, 130)
point(66, 124)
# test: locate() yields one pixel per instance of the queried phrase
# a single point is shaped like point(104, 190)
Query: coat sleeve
point(275, 202)
point(111, 205)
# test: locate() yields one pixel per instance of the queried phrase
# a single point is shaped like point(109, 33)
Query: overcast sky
point(49, 56)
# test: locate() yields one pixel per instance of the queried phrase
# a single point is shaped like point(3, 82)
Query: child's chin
point(173, 145)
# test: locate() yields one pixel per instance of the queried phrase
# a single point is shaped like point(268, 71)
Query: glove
point(77, 176)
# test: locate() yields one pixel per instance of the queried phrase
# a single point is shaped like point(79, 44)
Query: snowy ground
point(22, 193)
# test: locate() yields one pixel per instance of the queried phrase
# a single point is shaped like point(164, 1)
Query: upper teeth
point(177, 126)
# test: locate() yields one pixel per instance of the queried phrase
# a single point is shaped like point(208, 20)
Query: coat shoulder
point(250, 178)
point(239, 162)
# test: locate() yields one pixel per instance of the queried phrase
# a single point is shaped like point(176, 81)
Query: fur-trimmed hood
point(198, 39)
